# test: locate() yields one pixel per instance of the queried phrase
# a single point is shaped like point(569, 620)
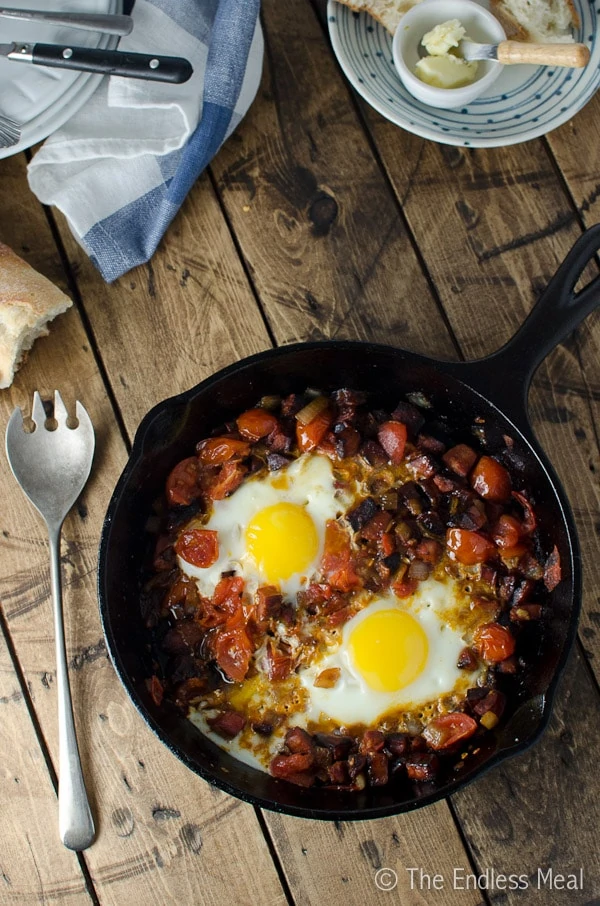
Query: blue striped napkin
point(120, 169)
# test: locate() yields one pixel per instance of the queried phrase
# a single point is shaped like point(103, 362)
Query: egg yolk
point(282, 540)
point(389, 649)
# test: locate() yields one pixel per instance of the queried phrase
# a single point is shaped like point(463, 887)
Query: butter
point(440, 39)
point(444, 67)
point(446, 71)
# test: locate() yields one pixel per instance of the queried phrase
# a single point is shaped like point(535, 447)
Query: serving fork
point(52, 467)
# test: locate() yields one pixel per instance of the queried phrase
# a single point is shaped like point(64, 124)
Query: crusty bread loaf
point(28, 301)
point(542, 21)
point(388, 12)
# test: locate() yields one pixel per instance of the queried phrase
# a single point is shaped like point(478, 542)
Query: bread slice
point(28, 301)
point(387, 12)
point(541, 21)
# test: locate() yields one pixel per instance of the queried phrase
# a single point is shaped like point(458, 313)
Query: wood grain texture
point(537, 811)
point(352, 863)
point(158, 824)
point(321, 234)
point(34, 865)
point(165, 326)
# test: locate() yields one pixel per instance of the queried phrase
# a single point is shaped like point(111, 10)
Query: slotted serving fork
point(52, 467)
point(10, 131)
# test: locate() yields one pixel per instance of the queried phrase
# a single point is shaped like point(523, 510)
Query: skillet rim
point(460, 371)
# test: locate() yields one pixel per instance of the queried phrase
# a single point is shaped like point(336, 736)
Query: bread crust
point(28, 301)
point(516, 31)
point(386, 16)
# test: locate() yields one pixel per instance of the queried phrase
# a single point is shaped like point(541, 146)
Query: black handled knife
point(106, 62)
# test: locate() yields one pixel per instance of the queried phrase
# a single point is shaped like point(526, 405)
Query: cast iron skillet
point(494, 388)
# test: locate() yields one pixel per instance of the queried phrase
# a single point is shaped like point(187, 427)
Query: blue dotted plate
point(524, 102)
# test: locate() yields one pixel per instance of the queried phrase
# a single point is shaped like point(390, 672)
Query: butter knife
point(509, 52)
point(106, 62)
point(107, 24)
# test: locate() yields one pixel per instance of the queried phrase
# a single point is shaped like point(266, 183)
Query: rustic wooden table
point(317, 219)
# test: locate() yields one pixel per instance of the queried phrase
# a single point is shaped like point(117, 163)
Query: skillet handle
point(505, 376)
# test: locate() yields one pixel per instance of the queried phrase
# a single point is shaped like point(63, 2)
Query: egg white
point(308, 482)
point(435, 606)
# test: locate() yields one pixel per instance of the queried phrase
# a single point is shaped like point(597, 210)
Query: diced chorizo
point(378, 768)
point(227, 724)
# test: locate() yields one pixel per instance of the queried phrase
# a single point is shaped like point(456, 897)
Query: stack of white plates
point(38, 97)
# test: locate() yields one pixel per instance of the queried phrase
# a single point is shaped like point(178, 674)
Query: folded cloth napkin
point(120, 168)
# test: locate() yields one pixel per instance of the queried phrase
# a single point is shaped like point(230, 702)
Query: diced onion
point(311, 410)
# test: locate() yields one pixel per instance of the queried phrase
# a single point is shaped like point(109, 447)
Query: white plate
point(524, 103)
point(39, 97)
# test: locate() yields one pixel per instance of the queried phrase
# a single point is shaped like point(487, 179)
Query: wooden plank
point(405, 858)
point(167, 325)
point(581, 172)
point(34, 865)
point(158, 824)
point(317, 225)
point(521, 818)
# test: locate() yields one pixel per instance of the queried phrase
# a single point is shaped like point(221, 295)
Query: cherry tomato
point(448, 729)
point(233, 650)
point(200, 547)
point(309, 436)
point(228, 590)
point(182, 483)
point(491, 480)
point(227, 480)
point(338, 567)
point(493, 642)
point(392, 437)
point(506, 531)
point(468, 547)
point(256, 423)
point(217, 450)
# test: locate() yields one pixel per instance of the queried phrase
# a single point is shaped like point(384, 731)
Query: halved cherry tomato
point(182, 484)
point(279, 664)
point(392, 437)
point(338, 567)
point(228, 590)
point(227, 480)
point(310, 436)
point(448, 729)
point(491, 480)
point(216, 450)
point(256, 423)
point(200, 547)
point(233, 651)
point(493, 642)
point(468, 547)
point(507, 531)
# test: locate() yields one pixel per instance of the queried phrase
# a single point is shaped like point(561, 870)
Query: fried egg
point(271, 530)
point(395, 655)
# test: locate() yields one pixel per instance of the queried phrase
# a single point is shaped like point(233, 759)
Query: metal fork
point(10, 131)
point(52, 468)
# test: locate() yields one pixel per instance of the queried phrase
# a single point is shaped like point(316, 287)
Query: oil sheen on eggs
point(396, 665)
point(395, 655)
point(271, 530)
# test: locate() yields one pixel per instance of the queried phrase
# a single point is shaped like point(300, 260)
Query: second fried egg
point(395, 655)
